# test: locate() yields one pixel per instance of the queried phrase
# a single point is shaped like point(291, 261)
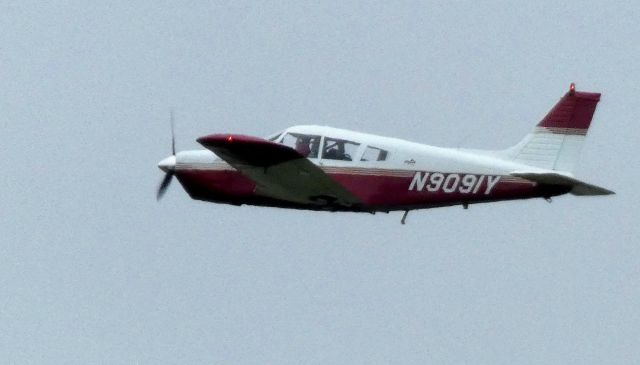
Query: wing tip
point(219, 139)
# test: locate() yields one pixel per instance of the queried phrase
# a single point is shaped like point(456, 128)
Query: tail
point(556, 142)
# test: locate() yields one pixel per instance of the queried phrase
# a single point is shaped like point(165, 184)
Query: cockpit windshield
point(274, 137)
point(329, 148)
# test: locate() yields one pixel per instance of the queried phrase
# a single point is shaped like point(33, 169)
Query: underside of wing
point(279, 171)
point(578, 187)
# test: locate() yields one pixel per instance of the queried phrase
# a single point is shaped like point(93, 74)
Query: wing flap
point(578, 187)
point(279, 171)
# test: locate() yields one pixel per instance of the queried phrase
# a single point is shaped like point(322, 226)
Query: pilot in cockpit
point(302, 146)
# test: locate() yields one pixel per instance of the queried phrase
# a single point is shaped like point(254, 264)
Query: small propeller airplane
point(329, 169)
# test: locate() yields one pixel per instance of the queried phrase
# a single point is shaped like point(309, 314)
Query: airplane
point(322, 168)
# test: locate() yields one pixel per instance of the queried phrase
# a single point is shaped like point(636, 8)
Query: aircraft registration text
point(453, 183)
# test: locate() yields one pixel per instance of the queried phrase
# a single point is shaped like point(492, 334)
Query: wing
point(279, 171)
point(577, 187)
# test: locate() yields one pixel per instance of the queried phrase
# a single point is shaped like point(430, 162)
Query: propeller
point(166, 181)
point(168, 165)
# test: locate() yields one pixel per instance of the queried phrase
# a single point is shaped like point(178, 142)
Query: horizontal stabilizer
point(580, 188)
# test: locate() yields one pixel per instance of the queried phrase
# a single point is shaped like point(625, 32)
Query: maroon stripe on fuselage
point(375, 191)
point(225, 186)
point(392, 191)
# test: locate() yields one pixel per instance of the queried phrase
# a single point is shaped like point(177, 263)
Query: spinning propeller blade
point(173, 134)
point(166, 181)
point(168, 165)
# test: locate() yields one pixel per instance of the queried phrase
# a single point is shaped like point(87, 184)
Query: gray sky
point(93, 270)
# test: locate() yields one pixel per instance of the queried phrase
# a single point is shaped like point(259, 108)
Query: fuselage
point(383, 173)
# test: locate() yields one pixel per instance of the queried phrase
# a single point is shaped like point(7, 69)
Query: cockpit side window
point(374, 154)
point(339, 149)
point(307, 145)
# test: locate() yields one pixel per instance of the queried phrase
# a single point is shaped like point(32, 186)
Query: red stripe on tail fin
point(574, 111)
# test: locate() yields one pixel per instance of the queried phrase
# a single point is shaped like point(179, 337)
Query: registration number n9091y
point(450, 183)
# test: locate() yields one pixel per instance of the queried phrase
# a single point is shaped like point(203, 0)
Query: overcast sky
point(94, 270)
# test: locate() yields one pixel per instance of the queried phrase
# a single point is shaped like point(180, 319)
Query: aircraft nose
point(168, 164)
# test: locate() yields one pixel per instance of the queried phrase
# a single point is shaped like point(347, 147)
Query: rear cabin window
point(374, 154)
point(339, 149)
point(307, 145)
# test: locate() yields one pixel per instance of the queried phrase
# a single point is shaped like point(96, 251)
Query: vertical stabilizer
point(557, 140)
